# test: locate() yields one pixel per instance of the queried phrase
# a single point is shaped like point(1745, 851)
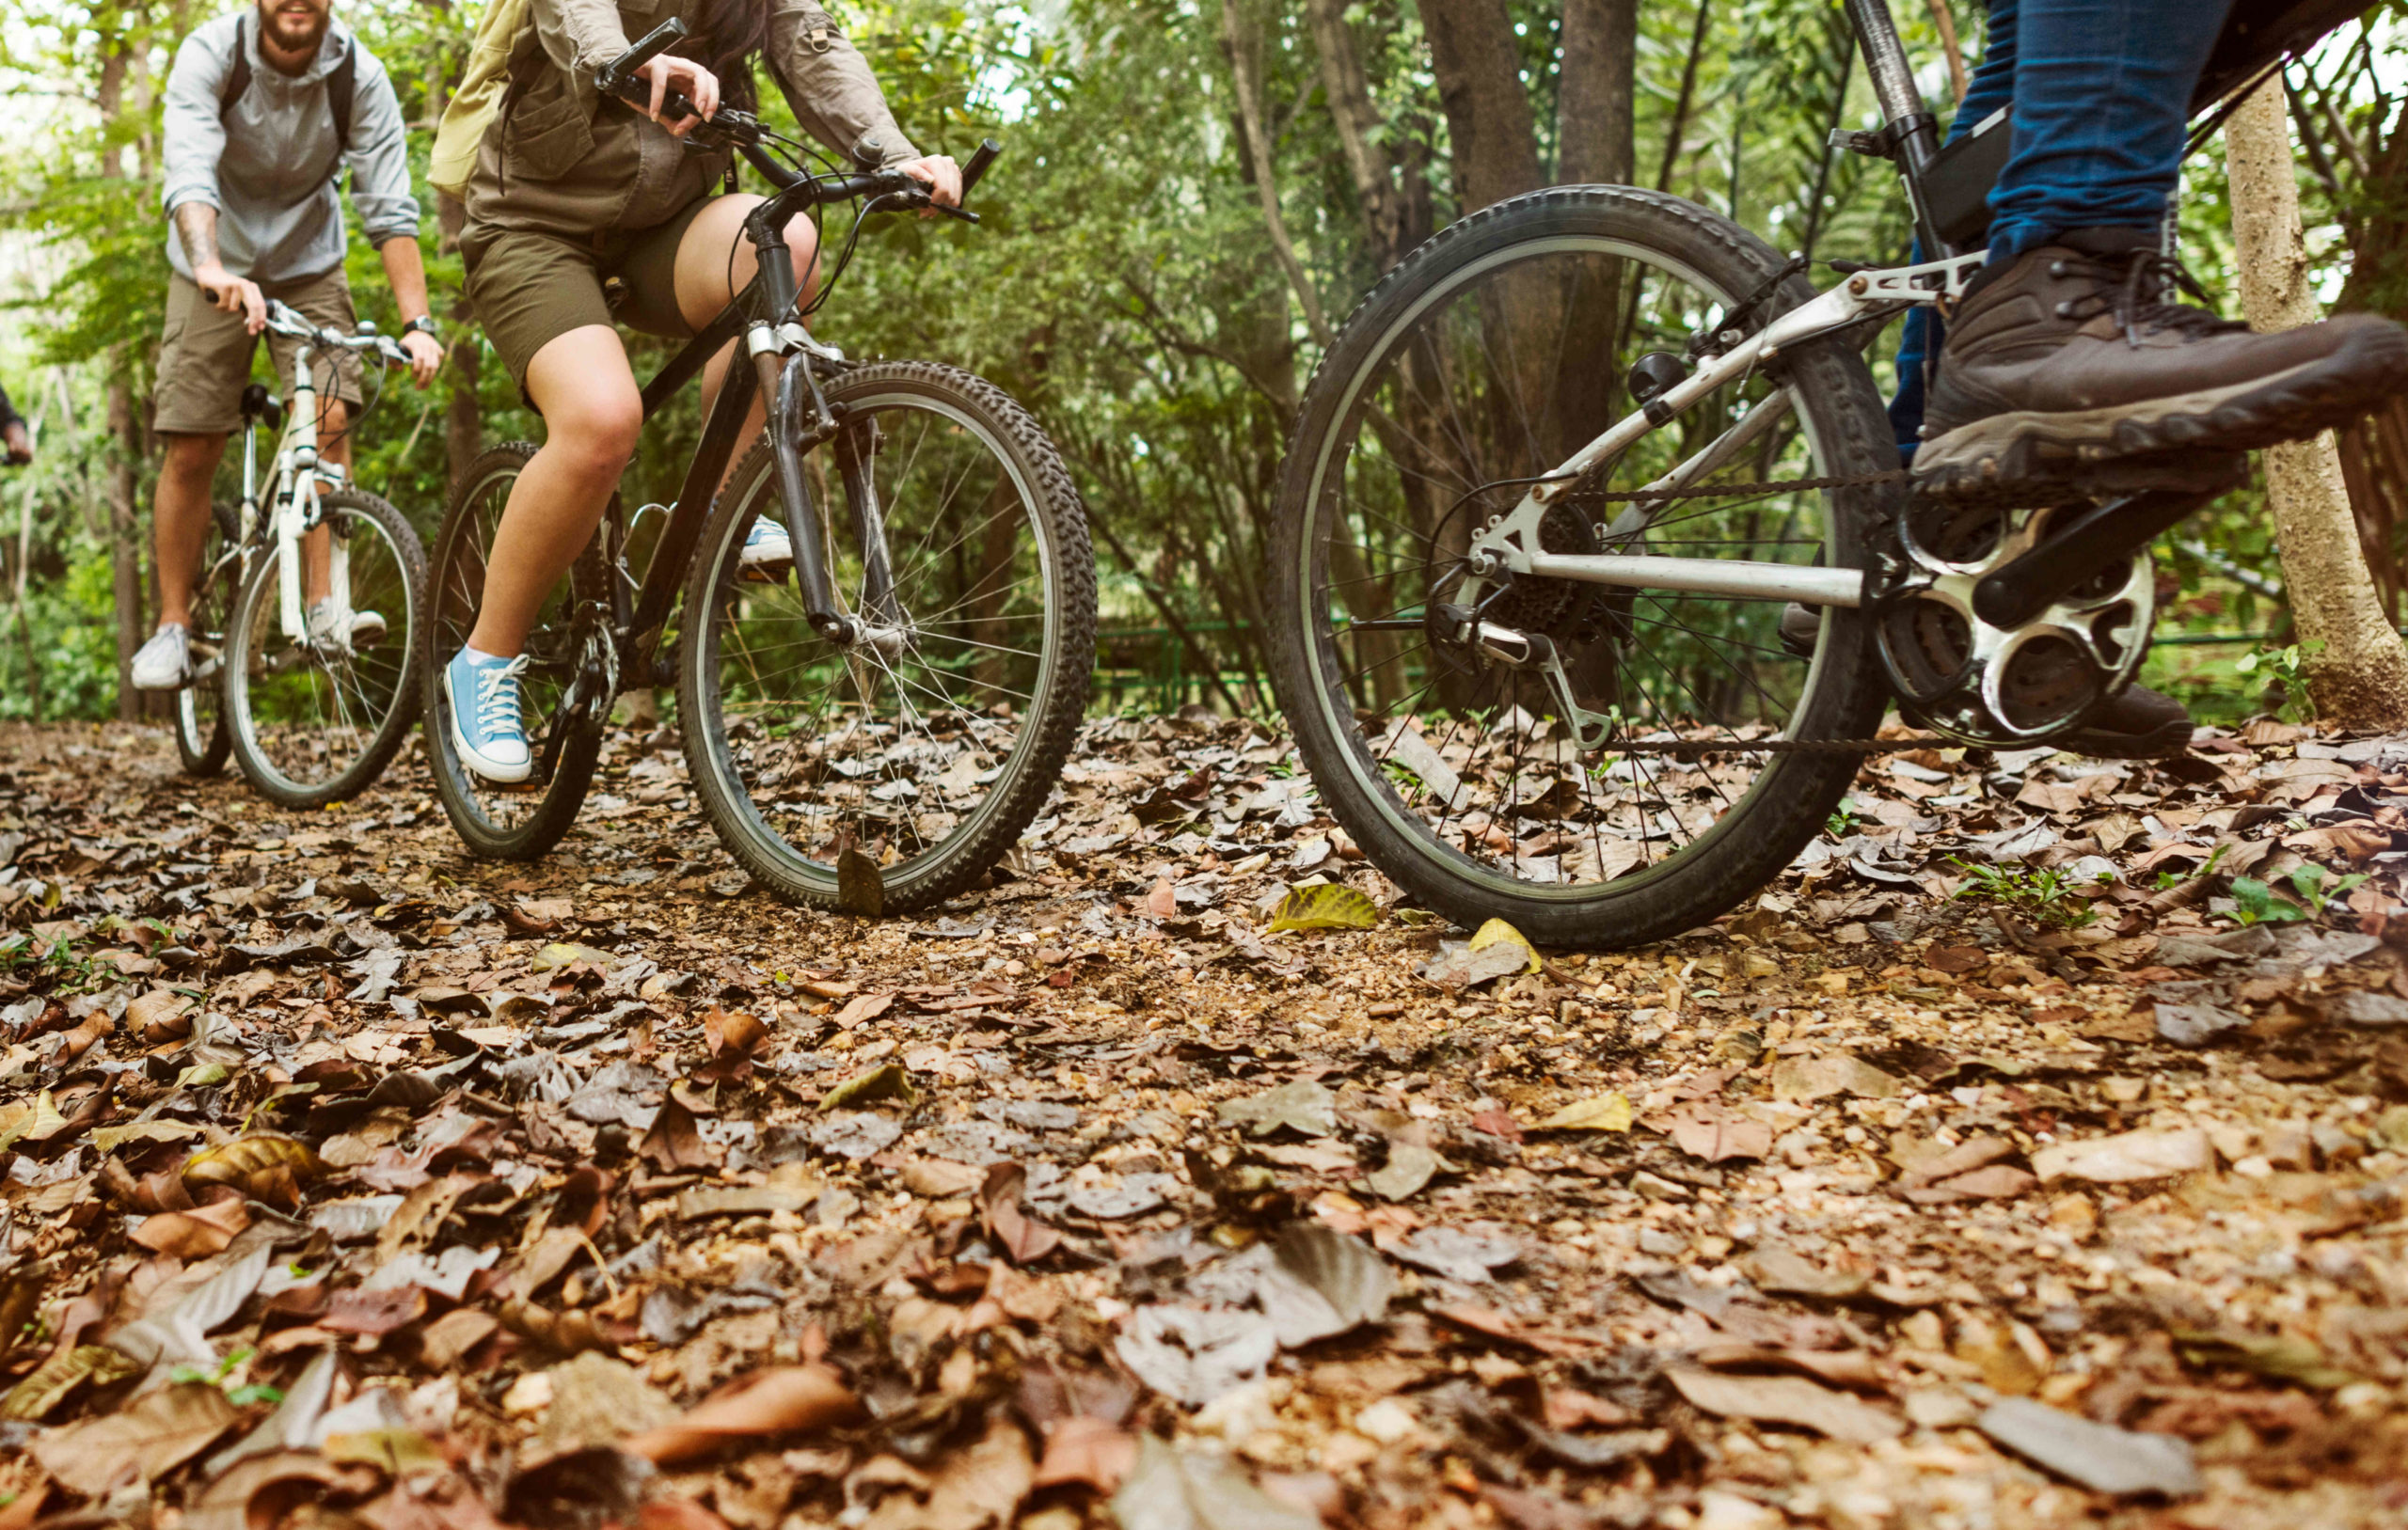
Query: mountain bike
point(1595, 571)
point(912, 685)
point(305, 608)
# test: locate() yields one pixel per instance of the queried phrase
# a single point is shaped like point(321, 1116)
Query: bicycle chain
point(1737, 491)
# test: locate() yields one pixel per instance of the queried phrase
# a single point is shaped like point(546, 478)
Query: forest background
point(1194, 193)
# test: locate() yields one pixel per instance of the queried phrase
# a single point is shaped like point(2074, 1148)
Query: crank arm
point(1532, 650)
point(2098, 538)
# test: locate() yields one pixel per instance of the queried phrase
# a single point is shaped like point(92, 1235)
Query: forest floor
point(352, 1182)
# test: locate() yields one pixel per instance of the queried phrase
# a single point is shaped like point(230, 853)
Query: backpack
point(341, 81)
point(472, 106)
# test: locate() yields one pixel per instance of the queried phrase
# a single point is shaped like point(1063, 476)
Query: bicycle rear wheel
point(1481, 362)
point(939, 753)
point(522, 820)
point(202, 738)
point(317, 718)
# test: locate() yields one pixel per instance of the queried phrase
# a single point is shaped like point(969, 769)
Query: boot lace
point(498, 698)
point(2132, 287)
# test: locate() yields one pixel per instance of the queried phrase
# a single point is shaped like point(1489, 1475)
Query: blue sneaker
point(486, 728)
point(768, 553)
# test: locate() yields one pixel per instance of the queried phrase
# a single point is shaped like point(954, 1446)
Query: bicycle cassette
point(2003, 687)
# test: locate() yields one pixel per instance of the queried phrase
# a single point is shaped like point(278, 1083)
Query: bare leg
point(592, 416)
point(317, 547)
point(705, 287)
point(180, 520)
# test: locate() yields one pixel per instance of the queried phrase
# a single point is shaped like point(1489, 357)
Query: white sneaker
point(367, 627)
point(768, 553)
point(164, 663)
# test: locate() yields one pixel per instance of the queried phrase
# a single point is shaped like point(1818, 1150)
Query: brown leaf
point(1023, 1237)
point(1786, 1399)
point(266, 1165)
point(146, 1440)
point(787, 1400)
point(196, 1234)
point(1712, 1133)
point(1161, 900)
point(354, 1311)
point(864, 1009)
point(1957, 958)
point(675, 1143)
point(1089, 1450)
point(569, 1333)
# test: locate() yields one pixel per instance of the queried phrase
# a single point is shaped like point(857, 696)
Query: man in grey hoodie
point(265, 107)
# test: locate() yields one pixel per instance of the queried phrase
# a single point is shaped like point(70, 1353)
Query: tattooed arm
point(197, 225)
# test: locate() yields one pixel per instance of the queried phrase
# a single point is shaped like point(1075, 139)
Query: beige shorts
point(529, 288)
point(205, 355)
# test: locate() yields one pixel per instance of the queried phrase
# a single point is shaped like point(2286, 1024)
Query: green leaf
point(2258, 905)
point(1328, 906)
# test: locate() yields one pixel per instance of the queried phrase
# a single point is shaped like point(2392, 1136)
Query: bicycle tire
point(561, 798)
point(1059, 696)
point(259, 586)
point(1792, 798)
point(203, 741)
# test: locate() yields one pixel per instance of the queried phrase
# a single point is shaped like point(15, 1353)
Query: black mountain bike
point(1560, 479)
point(915, 685)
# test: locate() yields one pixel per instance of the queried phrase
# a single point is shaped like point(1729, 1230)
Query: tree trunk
point(463, 432)
point(2359, 677)
point(1245, 70)
point(1594, 99)
point(124, 434)
point(1478, 61)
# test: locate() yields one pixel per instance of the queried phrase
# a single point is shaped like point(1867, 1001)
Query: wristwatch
point(424, 324)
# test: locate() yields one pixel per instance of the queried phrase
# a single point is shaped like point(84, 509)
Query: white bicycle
point(307, 604)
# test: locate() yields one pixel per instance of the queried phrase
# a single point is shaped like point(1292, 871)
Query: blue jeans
point(2102, 95)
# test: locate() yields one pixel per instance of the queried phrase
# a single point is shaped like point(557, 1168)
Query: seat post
point(1914, 134)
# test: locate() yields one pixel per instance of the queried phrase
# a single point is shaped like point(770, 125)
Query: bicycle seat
point(260, 404)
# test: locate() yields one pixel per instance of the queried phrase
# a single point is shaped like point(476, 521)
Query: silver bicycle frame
point(299, 470)
point(1512, 543)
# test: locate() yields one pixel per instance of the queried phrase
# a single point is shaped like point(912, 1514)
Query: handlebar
point(365, 342)
point(729, 128)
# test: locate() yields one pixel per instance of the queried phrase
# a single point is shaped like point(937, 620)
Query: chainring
point(2002, 687)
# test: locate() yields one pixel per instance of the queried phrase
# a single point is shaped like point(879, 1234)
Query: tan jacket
point(561, 159)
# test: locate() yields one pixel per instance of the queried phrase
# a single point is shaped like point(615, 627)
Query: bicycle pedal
point(773, 572)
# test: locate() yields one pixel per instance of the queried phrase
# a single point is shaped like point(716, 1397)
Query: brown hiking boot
point(2136, 724)
point(2064, 365)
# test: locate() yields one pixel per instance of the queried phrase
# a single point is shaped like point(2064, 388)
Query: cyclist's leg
point(1990, 89)
point(582, 385)
point(204, 357)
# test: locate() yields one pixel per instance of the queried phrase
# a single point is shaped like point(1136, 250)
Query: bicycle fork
point(800, 419)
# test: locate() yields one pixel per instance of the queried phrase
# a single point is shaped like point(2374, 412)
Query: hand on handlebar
point(943, 178)
point(424, 353)
point(698, 84)
point(232, 294)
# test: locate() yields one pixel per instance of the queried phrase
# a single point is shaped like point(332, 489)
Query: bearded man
point(266, 107)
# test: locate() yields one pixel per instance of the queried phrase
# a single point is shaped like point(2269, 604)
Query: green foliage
point(2258, 903)
point(2044, 895)
point(2167, 880)
point(2285, 667)
point(2308, 881)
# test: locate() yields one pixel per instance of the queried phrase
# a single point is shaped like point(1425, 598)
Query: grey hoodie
point(268, 165)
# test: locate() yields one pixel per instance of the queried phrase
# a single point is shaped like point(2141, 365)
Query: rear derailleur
point(2006, 627)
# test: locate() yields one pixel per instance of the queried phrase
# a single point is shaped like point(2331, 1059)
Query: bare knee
point(190, 457)
point(597, 431)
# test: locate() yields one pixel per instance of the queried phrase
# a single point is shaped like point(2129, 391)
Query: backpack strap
point(238, 79)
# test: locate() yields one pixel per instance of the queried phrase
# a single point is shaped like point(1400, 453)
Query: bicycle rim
point(1489, 377)
point(931, 755)
point(527, 816)
point(314, 717)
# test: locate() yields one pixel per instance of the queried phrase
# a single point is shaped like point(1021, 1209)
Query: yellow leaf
point(252, 1163)
point(1598, 1112)
point(566, 953)
point(1496, 932)
point(1328, 906)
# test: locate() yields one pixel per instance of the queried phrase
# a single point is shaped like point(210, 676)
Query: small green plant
point(2308, 882)
point(1844, 819)
point(2167, 880)
point(2044, 896)
point(2286, 667)
point(2257, 903)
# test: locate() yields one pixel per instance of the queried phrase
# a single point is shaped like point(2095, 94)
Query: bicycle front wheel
point(937, 745)
point(522, 820)
point(1481, 363)
point(202, 738)
point(318, 714)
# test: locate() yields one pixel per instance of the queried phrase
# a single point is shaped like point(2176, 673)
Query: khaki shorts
point(529, 288)
point(205, 355)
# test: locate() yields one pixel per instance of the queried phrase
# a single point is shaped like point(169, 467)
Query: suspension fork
point(857, 444)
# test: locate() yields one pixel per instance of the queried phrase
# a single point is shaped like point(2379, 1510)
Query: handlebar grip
point(987, 150)
point(648, 47)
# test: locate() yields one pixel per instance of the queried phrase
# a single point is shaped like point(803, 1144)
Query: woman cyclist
point(571, 189)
